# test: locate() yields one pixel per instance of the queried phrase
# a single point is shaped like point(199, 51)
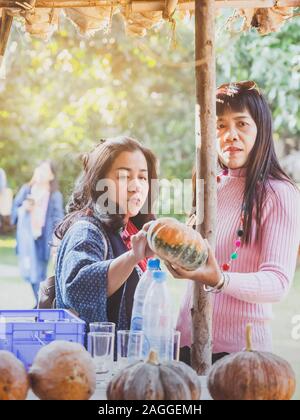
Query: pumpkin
point(63, 370)
point(251, 375)
point(152, 380)
point(14, 383)
point(177, 243)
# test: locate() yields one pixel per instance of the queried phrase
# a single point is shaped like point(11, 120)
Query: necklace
point(240, 232)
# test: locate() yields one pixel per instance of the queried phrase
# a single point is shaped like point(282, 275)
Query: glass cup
point(102, 351)
point(103, 327)
point(129, 347)
point(176, 344)
point(100, 327)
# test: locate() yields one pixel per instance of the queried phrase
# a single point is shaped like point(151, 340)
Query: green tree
point(59, 98)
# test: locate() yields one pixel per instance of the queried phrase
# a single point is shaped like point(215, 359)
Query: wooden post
point(206, 162)
point(5, 26)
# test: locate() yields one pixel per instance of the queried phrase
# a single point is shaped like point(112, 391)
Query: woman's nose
point(135, 185)
point(231, 134)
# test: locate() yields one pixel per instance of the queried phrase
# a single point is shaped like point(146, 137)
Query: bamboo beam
point(5, 26)
point(154, 5)
point(170, 7)
point(206, 170)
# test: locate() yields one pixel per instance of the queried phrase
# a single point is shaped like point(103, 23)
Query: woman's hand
point(210, 274)
point(140, 248)
point(28, 205)
point(146, 226)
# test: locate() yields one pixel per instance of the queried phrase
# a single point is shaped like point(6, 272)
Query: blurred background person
point(37, 209)
point(2, 180)
point(6, 199)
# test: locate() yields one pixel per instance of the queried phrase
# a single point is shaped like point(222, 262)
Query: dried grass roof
point(41, 17)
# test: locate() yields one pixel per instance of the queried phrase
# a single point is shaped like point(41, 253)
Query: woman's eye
point(242, 124)
point(220, 126)
point(143, 178)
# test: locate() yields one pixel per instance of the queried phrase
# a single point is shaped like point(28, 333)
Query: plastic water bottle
point(158, 319)
point(140, 294)
point(138, 304)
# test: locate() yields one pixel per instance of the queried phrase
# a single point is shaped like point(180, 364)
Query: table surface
point(100, 393)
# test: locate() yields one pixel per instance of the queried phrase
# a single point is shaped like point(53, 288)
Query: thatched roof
point(41, 17)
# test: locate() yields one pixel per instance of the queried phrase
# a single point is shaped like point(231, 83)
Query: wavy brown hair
point(96, 165)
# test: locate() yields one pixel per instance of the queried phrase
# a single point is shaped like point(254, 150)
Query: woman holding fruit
point(103, 251)
point(258, 227)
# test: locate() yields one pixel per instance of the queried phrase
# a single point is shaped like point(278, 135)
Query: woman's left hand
point(210, 274)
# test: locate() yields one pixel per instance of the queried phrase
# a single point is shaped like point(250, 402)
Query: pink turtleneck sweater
point(260, 276)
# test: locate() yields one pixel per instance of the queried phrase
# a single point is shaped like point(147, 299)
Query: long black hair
point(262, 164)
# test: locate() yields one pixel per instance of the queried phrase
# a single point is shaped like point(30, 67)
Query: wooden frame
point(206, 154)
point(206, 167)
point(166, 6)
point(153, 5)
point(5, 26)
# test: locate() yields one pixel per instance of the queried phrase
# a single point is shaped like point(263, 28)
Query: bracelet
point(222, 284)
point(217, 288)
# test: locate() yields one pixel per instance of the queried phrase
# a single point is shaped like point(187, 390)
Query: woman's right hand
point(147, 226)
point(122, 266)
point(140, 248)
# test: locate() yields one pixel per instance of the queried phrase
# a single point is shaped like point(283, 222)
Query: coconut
point(14, 383)
point(63, 370)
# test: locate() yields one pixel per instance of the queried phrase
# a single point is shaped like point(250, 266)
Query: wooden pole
point(5, 26)
point(153, 5)
point(206, 167)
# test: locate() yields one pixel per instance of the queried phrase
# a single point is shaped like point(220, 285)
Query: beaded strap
point(240, 232)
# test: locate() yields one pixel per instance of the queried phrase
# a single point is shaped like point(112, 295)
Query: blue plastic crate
point(25, 332)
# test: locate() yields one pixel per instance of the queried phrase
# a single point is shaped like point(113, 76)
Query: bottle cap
point(153, 264)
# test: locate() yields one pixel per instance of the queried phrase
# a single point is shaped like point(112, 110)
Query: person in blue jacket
point(103, 249)
point(2, 180)
point(37, 210)
point(3, 185)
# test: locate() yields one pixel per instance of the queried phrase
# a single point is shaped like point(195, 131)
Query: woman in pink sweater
point(258, 227)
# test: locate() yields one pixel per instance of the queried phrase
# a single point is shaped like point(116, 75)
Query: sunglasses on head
point(230, 89)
